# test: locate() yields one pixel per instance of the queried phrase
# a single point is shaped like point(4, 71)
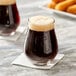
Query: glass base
point(7, 34)
point(39, 63)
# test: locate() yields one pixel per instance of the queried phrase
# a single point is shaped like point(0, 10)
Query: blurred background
point(23, 2)
point(29, 7)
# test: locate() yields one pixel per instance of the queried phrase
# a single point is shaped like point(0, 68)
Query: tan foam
point(7, 2)
point(41, 23)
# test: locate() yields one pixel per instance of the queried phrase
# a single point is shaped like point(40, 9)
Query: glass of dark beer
point(9, 17)
point(41, 42)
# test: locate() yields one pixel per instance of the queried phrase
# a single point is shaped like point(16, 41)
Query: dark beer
point(41, 44)
point(9, 17)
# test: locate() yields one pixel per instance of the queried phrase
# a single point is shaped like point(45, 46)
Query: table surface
point(65, 28)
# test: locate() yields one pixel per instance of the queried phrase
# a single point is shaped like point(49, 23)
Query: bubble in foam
point(7, 2)
point(41, 23)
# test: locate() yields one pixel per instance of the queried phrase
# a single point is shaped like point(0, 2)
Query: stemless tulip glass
point(41, 42)
point(9, 17)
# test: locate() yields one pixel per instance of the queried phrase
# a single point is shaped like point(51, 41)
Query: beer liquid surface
point(41, 41)
point(9, 17)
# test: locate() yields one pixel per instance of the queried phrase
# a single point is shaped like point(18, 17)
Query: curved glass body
point(41, 45)
point(9, 17)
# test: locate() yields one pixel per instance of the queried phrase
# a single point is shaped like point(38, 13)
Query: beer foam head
point(7, 2)
point(41, 23)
